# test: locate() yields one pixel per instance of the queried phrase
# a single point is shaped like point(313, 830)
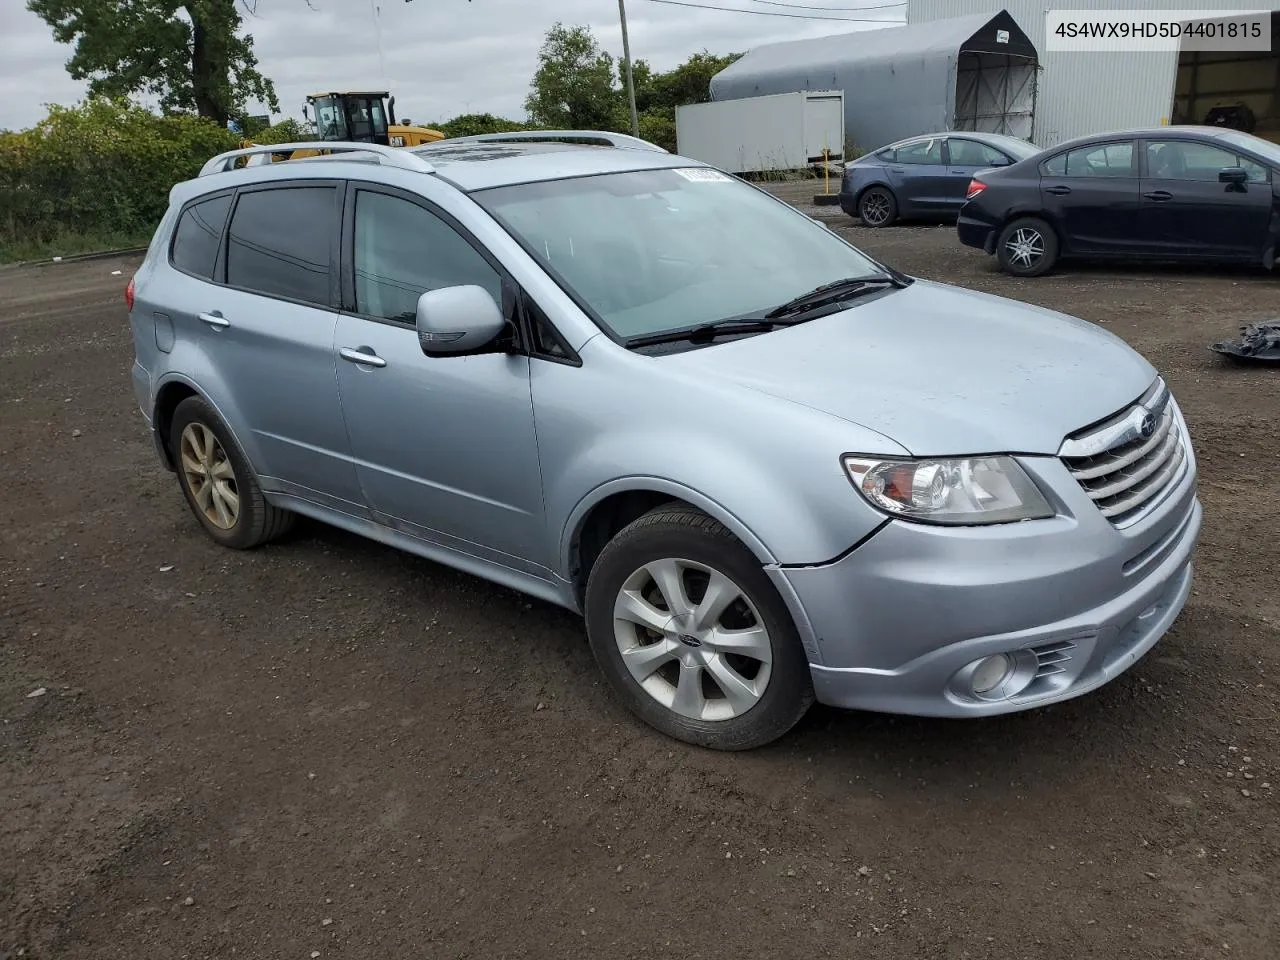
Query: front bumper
point(894, 625)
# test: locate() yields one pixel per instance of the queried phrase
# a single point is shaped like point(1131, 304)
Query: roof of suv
point(470, 163)
point(477, 164)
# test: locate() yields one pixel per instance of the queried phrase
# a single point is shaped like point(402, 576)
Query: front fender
point(767, 468)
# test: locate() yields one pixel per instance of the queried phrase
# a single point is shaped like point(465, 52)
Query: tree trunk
point(204, 70)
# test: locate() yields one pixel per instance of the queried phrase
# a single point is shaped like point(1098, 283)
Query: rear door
point(1093, 193)
point(918, 173)
point(265, 338)
point(1188, 212)
point(966, 157)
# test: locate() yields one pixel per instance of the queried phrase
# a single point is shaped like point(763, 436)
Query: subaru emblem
point(1148, 425)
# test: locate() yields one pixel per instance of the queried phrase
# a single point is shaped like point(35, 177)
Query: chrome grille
point(1129, 460)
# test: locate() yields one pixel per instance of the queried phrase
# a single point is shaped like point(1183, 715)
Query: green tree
point(189, 53)
point(575, 86)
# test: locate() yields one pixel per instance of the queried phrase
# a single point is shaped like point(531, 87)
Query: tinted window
point(1103, 160)
point(195, 242)
point(403, 250)
point(279, 243)
point(926, 151)
point(973, 153)
point(1188, 160)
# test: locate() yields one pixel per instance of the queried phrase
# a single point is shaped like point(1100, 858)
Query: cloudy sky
point(439, 57)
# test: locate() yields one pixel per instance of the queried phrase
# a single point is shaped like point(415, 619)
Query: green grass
point(65, 243)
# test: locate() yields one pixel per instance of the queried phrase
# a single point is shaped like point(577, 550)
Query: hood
point(941, 370)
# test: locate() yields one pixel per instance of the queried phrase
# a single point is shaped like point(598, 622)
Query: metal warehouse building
point(976, 72)
point(1084, 92)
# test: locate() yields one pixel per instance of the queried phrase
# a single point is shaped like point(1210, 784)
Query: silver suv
point(764, 467)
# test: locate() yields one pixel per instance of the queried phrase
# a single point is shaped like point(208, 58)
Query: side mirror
point(455, 320)
point(1236, 175)
point(1001, 162)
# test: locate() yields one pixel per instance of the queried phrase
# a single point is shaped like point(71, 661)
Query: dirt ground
point(329, 749)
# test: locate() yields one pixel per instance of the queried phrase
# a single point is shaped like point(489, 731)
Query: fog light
point(990, 673)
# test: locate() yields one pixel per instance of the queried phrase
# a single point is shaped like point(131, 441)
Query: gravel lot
point(329, 749)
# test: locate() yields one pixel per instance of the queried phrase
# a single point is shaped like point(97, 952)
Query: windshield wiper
point(705, 332)
point(788, 314)
point(835, 292)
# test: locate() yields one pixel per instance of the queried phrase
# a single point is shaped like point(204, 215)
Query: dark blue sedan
point(924, 177)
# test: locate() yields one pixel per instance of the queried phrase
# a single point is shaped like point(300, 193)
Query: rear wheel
point(1028, 247)
point(691, 634)
point(878, 207)
point(215, 477)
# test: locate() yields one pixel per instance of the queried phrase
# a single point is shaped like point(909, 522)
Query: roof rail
point(390, 156)
point(620, 140)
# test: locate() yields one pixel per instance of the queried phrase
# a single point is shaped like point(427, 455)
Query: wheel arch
point(1038, 213)
point(169, 395)
point(604, 511)
point(879, 182)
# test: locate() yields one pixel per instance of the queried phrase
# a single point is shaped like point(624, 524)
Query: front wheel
point(1028, 247)
point(692, 636)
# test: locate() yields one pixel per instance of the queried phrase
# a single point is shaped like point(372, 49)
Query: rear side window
point(195, 242)
point(926, 151)
point(279, 240)
point(1103, 160)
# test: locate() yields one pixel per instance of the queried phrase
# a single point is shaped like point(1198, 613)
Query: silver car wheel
point(1025, 247)
point(692, 639)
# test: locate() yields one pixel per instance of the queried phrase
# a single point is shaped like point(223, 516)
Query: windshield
point(1263, 148)
point(655, 250)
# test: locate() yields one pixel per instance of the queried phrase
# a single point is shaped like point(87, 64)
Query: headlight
point(960, 491)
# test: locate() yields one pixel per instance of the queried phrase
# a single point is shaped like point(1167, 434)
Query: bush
point(103, 168)
point(286, 131)
point(475, 124)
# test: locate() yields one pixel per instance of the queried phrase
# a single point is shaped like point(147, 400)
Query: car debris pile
point(1258, 342)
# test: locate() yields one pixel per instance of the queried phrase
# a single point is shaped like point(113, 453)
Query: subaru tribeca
point(764, 467)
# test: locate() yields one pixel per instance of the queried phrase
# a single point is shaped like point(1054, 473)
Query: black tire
point(256, 522)
point(681, 532)
point(1039, 235)
point(877, 207)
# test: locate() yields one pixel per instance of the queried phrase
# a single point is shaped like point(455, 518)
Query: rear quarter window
point(196, 239)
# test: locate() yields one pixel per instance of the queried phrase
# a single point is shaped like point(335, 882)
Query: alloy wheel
point(209, 475)
point(1025, 247)
point(692, 639)
point(875, 209)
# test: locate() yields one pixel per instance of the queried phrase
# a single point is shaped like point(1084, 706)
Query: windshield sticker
point(703, 175)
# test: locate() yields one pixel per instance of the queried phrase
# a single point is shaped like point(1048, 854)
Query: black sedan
point(1204, 194)
point(923, 177)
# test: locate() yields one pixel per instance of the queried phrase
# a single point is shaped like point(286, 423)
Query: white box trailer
point(784, 131)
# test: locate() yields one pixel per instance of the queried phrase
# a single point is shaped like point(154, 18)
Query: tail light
point(128, 294)
point(975, 188)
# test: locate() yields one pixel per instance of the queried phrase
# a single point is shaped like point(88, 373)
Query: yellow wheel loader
point(357, 117)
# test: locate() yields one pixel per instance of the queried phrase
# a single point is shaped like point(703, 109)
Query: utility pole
point(626, 56)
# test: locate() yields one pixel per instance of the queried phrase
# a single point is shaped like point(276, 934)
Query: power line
point(772, 13)
point(805, 6)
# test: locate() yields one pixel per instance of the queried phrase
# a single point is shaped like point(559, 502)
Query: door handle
point(1058, 191)
point(215, 319)
point(1159, 195)
point(360, 356)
